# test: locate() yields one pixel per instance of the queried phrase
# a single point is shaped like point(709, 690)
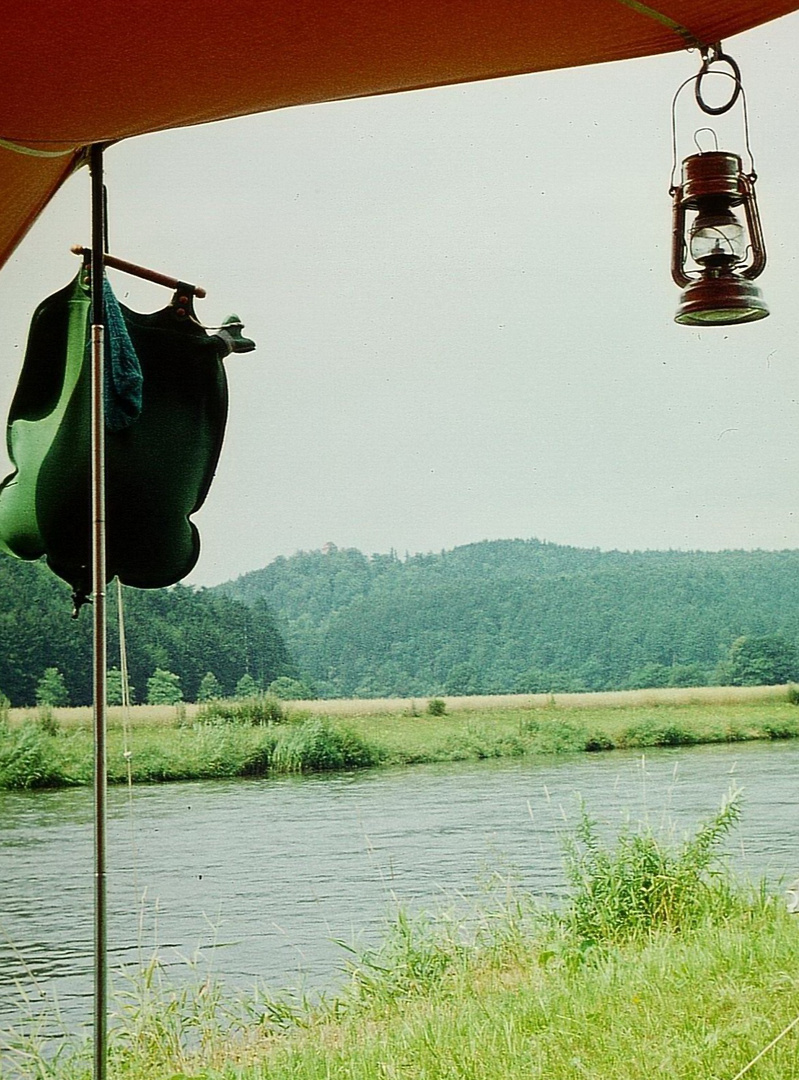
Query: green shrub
point(206, 752)
point(223, 752)
point(476, 742)
point(258, 759)
point(46, 720)
point(416, 955)
point(247, 687)
point(642, 885)
point(163, 688)
point(264, 709)
point(290, 689)
point(793, 694)
point(151, 765)
point(652, 732)
point(316, 746)
point(596, 741)
point(436, 706)
point(554, 736)
point(210, 689)
point(114, 694)
point(51, 688)
point(28, 758)
point(787, 728)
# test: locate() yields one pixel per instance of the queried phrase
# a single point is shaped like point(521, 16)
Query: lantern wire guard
point(720, 291)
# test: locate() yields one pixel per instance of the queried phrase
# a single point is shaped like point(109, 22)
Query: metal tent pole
point(99, 613)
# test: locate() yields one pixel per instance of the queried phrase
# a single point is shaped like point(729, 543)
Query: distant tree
point(186, 630)
point(536, 681)
point(51, 689)
point(768, 660)
point(290, 689)
point(649, 676)
point(462, 680)
point(688, 675)
point(163, 688)
point(652, 676)
point(114, 687)
point(532, 681)
point(722, 673)
point(247, 687)
point(210, 689)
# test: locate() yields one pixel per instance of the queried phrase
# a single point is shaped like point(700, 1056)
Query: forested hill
point(522, 615)
point(182, 630)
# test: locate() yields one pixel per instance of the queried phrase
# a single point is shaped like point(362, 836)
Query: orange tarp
point(102, 70)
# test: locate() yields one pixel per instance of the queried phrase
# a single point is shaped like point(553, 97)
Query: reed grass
point(32, 756)
point(264, 709)
point(641, 885)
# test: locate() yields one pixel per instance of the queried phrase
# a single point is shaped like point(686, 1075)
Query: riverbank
point(691, 1006)
point(658, 964)
point(54, 748)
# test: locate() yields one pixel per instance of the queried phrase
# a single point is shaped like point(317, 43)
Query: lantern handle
point(678, 274)
point(711, 56)
point(755, 230)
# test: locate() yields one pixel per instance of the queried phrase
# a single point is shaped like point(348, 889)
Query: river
point(258, 879)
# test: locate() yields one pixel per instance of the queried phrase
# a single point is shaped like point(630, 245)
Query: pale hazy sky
point(463, 310)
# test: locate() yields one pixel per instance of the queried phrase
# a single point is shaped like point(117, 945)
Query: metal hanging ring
point(717, 57)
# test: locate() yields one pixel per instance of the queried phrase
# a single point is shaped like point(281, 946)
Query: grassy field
point(658, 966)
point(349, 707)
point(254, 739)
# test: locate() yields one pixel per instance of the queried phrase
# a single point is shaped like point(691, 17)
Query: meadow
point(259, 737)
point(658, 964)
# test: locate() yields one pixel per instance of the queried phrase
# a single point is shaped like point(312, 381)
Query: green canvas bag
point(159, 466)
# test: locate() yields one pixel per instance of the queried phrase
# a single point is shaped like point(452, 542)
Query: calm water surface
point(263, 876)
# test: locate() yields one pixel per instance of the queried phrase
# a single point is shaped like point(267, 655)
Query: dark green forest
point(527, 616)
point(495, 617)
point(186, 631)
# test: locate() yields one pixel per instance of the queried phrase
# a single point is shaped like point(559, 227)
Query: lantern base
point(721, 301)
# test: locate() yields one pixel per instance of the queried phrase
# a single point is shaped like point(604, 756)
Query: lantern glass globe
point(717, 238)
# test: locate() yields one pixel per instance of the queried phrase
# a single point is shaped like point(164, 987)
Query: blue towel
point(122, 389)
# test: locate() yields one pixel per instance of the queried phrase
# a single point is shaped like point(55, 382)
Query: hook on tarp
point(714, 54)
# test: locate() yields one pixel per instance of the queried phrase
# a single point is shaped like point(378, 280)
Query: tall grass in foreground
point(693, 987)
point(641, 886)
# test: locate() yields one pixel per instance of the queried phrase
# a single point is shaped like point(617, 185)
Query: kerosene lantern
point(716, 225)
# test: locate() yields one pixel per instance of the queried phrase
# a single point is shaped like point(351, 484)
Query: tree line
point(508, 616)
point(45, 655)
point(527, 616)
